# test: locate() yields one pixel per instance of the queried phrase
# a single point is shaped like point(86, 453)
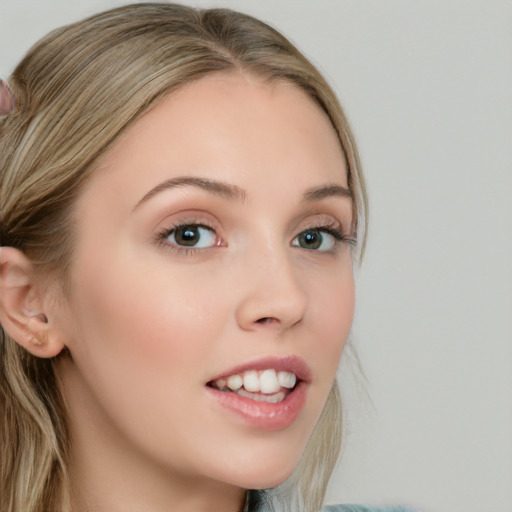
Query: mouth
point(270, 385)
point(268, 394)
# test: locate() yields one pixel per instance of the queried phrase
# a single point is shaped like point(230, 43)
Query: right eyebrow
point(329, 190)
point(215, 187)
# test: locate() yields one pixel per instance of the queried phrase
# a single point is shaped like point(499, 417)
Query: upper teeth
point(266, 382)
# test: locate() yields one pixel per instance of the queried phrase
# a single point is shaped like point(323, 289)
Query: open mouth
point(268, 385)
point(268, 394)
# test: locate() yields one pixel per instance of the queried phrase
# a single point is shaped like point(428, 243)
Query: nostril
point(266, 320)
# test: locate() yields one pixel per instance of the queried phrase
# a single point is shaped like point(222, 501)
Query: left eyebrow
point(318, 193)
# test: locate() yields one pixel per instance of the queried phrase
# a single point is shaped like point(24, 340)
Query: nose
point(272, 296)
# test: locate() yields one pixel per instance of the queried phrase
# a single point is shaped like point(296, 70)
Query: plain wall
point(427, 86)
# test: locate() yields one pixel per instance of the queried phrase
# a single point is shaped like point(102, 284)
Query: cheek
point(135, 331)
point(144, 319)
point(140, 349)
point(340, 309)
point(333, 310)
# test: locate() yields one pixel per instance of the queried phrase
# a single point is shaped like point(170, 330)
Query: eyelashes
point(188, 238)
point(197, 236)
point(192, 237)
point(323, 239)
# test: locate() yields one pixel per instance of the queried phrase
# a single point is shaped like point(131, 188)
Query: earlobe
point(22, 305)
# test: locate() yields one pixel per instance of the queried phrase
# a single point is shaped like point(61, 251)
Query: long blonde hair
point(77, 91)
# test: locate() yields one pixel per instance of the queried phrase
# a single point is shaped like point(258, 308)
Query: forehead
point(232, 127)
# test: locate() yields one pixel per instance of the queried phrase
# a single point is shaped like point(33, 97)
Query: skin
point(148, 323)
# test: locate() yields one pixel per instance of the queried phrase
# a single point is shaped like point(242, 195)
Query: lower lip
point(264, 415)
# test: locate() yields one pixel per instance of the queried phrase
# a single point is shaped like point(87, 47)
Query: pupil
point(311, 240)
point(187, 235)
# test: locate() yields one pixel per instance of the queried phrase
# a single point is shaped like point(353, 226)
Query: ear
point(7, 100)
point(24, 301)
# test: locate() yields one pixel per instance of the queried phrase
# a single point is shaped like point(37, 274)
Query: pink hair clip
point(7, 99)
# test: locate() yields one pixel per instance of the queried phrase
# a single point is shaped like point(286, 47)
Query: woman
point(181, 200)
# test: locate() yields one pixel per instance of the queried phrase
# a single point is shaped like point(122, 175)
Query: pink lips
point(288, 364)
point(264, 415)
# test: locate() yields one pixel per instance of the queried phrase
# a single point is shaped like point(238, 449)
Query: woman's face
point(213, 244)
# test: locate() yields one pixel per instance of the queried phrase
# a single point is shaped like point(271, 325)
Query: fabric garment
point(364, 508)
point(270, 501)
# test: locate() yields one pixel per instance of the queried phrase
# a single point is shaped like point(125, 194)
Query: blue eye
point(192, 235)
point(318, 239)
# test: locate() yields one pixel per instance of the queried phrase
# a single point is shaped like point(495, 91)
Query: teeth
point(267, 382)
point(273, 399)
point(286, 379)
point(251, 381)
point(234, 382)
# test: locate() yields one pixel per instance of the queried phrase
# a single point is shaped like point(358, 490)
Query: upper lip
point(293, 364)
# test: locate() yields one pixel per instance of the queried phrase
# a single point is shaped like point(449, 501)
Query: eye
point(318, 239)
point(192, 235)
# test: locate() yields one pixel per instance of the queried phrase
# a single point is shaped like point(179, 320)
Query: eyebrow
point(318, 193)
point(215, 187)
point(235, 193)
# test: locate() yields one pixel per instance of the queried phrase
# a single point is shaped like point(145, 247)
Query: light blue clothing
point(364, 508)
point(269, 501)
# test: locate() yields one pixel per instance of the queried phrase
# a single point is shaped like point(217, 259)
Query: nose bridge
point(271, 293)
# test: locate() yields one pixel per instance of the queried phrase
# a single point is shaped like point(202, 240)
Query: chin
point(269, 483)
point(265, 472)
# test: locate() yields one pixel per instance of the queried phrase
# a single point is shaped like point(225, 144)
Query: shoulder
point(364, 508)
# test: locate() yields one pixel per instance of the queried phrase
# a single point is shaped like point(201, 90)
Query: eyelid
point(320, 221)
point(189, 218)
point(335, 235)
point(210, 235)
point(327, 223)
point(173, 222)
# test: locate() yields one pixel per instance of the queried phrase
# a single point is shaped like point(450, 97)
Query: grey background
point(427, 87)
